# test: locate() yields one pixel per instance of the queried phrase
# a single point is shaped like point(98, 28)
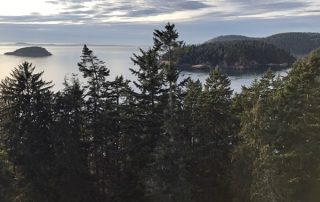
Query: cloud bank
point(132, 21)
point(150, 11)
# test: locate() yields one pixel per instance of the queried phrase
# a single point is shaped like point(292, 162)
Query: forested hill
point(297, 43)
point(233, 56)
point(230, 38)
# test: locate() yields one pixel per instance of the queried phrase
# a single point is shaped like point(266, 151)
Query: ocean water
point(63, 63)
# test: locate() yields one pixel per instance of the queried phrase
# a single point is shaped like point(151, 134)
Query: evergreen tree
point(281, 134)
point(123, 176)
point(97, 122)
point(166, 41)
point(73, 180)
point(246, 151)
point(147, 111)
point(213, 142)
point(26, 121)
point(190, 113)
point(8, 189)
point(166, 154)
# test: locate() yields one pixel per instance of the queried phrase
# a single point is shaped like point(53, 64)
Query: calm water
point(63, 63)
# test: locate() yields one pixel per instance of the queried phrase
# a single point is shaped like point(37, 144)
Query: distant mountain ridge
point(297, 43)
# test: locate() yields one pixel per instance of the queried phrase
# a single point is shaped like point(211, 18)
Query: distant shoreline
point(68, 44)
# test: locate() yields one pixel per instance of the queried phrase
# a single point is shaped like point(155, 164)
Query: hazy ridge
point(297, 43)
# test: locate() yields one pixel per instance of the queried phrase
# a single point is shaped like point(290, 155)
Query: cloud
point(272, 8)
point(112, 11)
point(156, 8)
point(146, 11)
point(192, 32)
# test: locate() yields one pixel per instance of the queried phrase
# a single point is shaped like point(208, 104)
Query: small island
point(33, 51)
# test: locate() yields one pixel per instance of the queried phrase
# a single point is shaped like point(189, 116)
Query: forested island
point(33, 51)
point(166, 141)
point(237, 54)
point(233, 57)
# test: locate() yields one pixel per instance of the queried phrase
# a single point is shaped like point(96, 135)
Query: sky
point(130, 22)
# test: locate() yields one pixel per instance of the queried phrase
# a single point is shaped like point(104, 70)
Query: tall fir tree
point(73, 180)
point(97, 131)
point(26, 116)
point(147, 111)
point(213, 143)
point(166, 41)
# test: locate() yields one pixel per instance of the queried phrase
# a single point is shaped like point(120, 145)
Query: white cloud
point(146, 11)
point(18, 8)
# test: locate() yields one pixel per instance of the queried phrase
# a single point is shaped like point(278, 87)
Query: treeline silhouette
point(164, 141)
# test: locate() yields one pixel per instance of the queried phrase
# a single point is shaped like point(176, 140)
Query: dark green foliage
point(167, 181)
point(96, 72)
point(104, 131)
point(7, 180)
point(279, 137)
point(149, 102)
point(147, 115)
point(213, 142)
point(150, 79)
point(100, 125)
point(246, 151)
point(26, 118)
point(167, 42)
point(73, 180)
point(233, 56)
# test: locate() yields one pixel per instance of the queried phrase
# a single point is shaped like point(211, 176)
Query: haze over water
point(64, 59)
